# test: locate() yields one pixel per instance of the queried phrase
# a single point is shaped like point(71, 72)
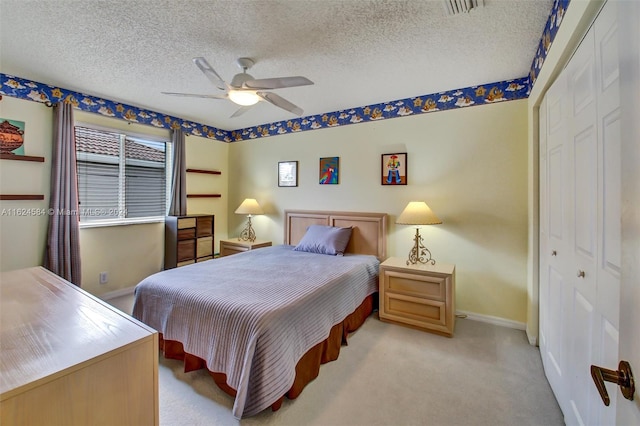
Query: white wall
point(469, 165)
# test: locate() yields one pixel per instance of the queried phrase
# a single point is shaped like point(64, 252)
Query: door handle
point(622, 377)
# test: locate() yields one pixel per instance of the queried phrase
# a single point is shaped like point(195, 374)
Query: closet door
point(582, 205)
point(554, 245)
point(580, 306)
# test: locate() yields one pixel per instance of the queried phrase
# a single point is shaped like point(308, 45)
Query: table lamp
point(249, 207)
point(418, 213)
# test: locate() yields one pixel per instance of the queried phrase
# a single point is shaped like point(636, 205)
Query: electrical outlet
point(104, 277)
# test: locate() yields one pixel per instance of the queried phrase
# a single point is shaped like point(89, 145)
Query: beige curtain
point(63, 239)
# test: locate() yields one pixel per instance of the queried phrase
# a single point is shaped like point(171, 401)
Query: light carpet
point(390, 375)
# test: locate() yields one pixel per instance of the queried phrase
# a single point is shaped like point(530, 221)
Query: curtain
point(178, 205)
point(63, 239)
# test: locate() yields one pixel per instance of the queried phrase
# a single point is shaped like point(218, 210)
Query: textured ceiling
point(356, 52)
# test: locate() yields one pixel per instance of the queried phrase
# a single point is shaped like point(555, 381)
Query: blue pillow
point(323, 239)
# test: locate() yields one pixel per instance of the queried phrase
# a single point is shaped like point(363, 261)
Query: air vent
point(454, 7)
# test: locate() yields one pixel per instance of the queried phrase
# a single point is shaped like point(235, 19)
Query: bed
point(262, 322)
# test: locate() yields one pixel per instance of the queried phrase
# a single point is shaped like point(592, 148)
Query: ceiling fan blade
point(276, 83)
point(241, 111)
point(280, 102)
point(211, 74)
point(193, 95)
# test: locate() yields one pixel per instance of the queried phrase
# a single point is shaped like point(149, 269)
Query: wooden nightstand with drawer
point(235, 246)
point(420, 296)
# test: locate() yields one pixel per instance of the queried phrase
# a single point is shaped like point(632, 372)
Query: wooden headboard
point(369, 235)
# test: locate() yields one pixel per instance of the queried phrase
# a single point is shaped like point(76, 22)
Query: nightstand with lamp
point(416, 292)
point(247, 239)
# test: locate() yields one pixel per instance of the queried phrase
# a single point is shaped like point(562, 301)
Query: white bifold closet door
point(580, 241)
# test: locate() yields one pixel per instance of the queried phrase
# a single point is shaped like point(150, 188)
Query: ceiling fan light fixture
point(243, 97)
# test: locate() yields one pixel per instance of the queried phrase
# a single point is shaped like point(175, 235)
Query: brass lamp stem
point(419, 251)
point(248, 234)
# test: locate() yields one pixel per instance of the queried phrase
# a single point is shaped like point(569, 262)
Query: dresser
point(69, 358)
point(188, 239)
point(234, 246)
point(419, 296)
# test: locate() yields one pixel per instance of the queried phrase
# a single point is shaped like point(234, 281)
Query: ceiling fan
point(246, 91)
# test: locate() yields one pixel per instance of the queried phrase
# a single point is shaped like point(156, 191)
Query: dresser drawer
point(186, 250)
point(186, 234)
point(204, 226)
point(205, 247)
point(415, 311)
point(186, 222)
point(432, 287)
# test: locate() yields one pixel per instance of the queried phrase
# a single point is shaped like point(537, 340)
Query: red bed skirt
point(307, 368)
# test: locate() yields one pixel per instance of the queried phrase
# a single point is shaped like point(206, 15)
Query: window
point(120, 176)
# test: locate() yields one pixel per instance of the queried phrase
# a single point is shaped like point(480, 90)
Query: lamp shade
point(417, 213)
point(249, 206)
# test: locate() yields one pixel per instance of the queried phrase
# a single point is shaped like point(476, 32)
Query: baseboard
point(117, 293)
point(492, 320)
point(533, 340)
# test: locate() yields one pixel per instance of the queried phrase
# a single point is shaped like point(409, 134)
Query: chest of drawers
point(188, 239)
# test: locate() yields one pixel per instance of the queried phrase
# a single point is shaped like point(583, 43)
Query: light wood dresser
point(188, 239)
point(235, 246)
point(420, 296)
point(69, 358)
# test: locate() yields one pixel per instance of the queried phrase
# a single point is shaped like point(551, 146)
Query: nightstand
point(419, 296)
point(235, 246)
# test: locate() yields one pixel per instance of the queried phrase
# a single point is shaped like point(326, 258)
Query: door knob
point(622, 377)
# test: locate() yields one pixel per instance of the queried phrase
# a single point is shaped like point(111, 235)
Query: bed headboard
point(369, 235)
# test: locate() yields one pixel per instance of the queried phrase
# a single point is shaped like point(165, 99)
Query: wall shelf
point(208, 172)
point(204, 195)
point(21, 158)
point(21, 197)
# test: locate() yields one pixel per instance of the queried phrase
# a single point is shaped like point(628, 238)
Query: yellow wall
point(469, 165)
point(23, 224)
point(127, 252)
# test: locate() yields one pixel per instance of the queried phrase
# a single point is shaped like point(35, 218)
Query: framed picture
point(394, 169)
point(11, 136)
point(329, 171)
point(288, 173)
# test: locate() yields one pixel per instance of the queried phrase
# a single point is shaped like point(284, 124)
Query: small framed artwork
point(11, 136)
point(329, 171)
point(394, 169)
point(288, 173)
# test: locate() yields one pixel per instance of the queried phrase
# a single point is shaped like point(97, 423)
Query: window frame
point(135, 136)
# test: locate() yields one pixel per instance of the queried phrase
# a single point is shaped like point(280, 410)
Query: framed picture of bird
point(394, 169)
point(329, 171)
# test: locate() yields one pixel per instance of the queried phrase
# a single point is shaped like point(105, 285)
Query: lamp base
point(418, 253)
point(247, 234)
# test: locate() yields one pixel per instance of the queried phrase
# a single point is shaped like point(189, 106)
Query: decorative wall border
point(452, 99)
point(558, 10)
point(39, 92)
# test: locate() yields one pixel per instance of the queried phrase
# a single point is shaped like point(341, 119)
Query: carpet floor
point(390, 375)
